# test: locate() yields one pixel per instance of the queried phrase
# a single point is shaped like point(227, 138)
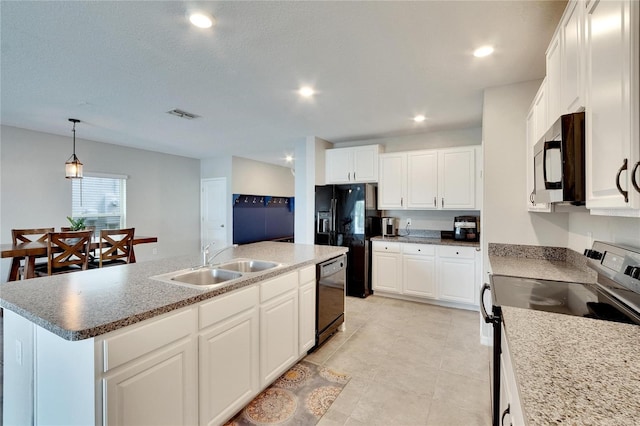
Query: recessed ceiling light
point(288, 159)
point(306, 91)
point(419, 118)
point(201, 20)
point(483, 51)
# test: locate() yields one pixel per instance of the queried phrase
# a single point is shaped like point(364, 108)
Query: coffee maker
point(466, 228)
point(389, 226)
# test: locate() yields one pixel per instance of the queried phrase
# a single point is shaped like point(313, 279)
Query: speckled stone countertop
point(569, 369)
point(85, 304)
point(574, 370)
point(426, 240)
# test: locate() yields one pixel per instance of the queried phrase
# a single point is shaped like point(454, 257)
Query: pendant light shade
point(73, 166)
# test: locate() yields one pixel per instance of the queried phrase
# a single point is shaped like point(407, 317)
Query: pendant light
point(73, 166)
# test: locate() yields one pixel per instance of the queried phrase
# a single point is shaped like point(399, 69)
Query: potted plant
point(76, 224)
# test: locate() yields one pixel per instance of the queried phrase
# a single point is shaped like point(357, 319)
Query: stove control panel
point(632, 271)
point(593, 254)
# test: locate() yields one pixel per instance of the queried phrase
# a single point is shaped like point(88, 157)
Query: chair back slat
point(30, 235)
point(116, 245)
point(65, 249)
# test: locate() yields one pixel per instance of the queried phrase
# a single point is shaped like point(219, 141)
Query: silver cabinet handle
point(349, 176)
point(531, 198)
point(443, 202)
point(401, 201)
point(354, 175)
point(435, 202)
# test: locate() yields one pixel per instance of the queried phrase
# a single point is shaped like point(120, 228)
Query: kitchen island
point(114, 346)
point(568, 369)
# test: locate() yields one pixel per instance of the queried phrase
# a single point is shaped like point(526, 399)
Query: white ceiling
point(120, 65)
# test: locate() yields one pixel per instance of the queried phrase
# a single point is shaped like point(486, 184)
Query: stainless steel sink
point(206, 276)
point(248, 265)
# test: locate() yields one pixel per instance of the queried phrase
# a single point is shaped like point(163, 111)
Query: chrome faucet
point(208, 261)
point(205, 254)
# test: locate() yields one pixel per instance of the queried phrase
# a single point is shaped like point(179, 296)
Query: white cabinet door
point(392, 183)
point(338, 165)
point(159, 389)
point(278, 336)
point(422, 180)
point(419, 275)
point(572, 58)
point(457, 178)
point(365, 163)
point(554, 89)
point(229, 373)
point(386, 268)
point(530, 142)
point(612, 141)
point(307, 308)
point(540, 108)
point(457, 274)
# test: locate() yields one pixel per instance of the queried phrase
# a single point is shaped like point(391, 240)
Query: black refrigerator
point(347, 215)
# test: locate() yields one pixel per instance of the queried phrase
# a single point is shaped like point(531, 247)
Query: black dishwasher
point(331, 279)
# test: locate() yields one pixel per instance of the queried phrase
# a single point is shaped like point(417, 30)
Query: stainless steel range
point(614, 297)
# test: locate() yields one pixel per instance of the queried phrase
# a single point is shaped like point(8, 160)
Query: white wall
point(258, 178)
point(163, 197)
point(584, 229)
point(505, 218)
point(432, 140)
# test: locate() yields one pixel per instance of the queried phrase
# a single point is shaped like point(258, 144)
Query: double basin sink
point(214, 276)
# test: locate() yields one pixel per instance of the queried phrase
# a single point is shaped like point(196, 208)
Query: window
point(100, 199)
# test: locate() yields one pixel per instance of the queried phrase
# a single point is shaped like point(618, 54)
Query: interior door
point(214, 205)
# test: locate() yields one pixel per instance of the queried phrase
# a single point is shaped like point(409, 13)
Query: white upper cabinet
point(572, 64)
point(456, 183)
point(540, 112)
point(612, 111)
point(393, 181)
point(530, 142)
point(352, 165)
point(429, 179)
point(553, 89)
point(422, 180)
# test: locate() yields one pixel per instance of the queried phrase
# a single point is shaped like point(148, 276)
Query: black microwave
point(559, 162)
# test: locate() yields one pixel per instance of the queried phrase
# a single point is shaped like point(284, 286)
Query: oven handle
point(489, 319)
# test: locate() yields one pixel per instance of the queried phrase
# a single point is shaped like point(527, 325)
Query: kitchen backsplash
point(439, 220)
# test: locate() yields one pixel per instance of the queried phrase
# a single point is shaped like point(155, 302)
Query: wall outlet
point(408, 222)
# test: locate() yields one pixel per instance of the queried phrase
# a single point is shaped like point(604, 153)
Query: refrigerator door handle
point(334, 203)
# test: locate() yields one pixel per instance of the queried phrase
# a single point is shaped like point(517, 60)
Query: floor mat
point(299, 397)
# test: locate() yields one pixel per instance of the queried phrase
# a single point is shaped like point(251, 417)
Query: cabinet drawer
point(277, 286)
point(307, 274)
point(146, 338)
point(223, 307)
point(457, 252)
point(419, 249)
point(386, 247)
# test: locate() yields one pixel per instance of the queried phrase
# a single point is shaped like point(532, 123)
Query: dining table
point(32, 250)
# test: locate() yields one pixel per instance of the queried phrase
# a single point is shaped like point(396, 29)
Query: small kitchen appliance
point(466, 228)
point(389, 226)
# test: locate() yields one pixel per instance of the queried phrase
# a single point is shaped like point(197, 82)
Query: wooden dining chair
point(66, 252)
point(25, 236)
point(116, 247)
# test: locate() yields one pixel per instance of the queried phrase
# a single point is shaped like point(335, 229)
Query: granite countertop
point(569, 369)
point(426, 240)
point(574, 370)
point(86, 304)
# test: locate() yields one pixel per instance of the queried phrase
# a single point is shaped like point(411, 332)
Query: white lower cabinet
point(457, 274)
point(387, 267)
point(510, 407)
point(419, 270)
point(229, 350)
point(150, 372)
point(307, 309)
point(278, 326)
point(433, 272)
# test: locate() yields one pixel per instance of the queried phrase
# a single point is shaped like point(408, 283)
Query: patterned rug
point(299, 397)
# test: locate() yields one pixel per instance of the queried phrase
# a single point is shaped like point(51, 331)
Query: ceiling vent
point(182, 114)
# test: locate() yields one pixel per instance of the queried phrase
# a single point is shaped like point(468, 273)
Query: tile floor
point(411, 364)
